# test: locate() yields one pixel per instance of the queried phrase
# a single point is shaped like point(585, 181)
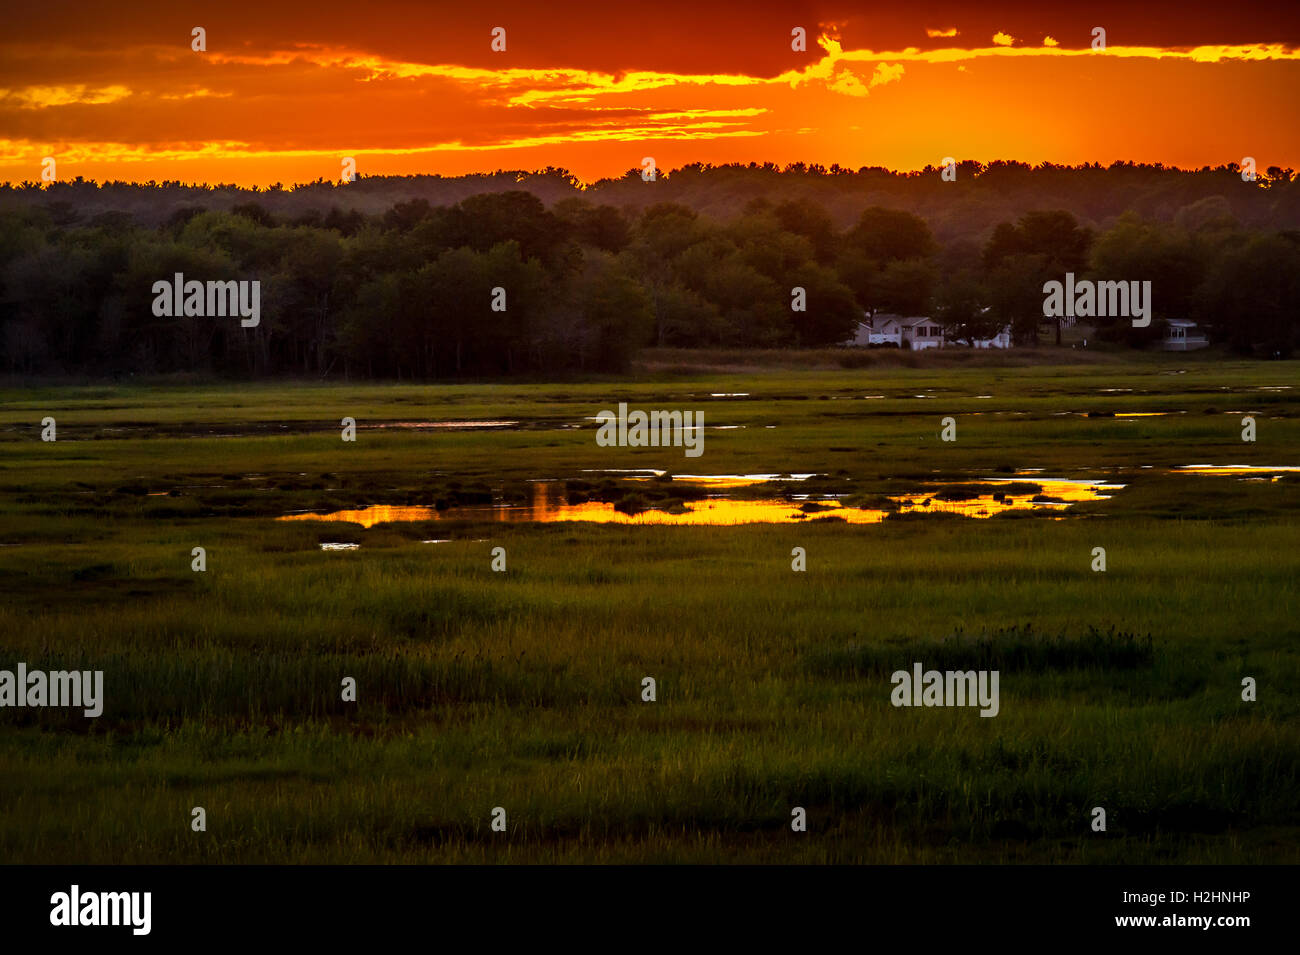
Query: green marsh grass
point(522, 689)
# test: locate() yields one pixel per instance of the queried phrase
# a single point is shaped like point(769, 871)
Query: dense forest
point(395, 277)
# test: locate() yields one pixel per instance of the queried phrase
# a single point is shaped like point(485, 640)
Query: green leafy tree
point(888, 235)
point(1053, 238)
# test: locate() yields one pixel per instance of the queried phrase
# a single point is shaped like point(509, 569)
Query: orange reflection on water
point(1067, 490)
point(717, 482)
point(370, 516)
point(1257, 472)
point(549, 505)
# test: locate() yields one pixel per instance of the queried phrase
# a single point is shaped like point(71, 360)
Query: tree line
point(408, 292)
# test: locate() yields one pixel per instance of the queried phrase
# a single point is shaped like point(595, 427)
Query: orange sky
point(285, 91)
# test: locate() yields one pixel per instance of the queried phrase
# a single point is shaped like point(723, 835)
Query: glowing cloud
point(262, 113)
point(43, 97)
point(886, 74)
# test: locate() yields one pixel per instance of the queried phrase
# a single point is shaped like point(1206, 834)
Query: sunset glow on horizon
point(279, 96)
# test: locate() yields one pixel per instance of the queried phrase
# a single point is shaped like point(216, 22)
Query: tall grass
point(523, 689)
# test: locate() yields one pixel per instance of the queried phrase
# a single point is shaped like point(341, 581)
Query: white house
point(915, 332)
point(921, 332)
point(1183, 335)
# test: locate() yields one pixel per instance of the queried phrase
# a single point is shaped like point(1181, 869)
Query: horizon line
point(817, 170)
